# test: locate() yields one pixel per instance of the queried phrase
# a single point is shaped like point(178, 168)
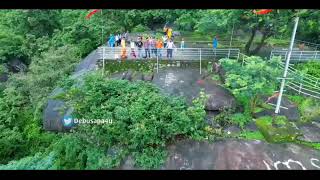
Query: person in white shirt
point(132, 46)
point(117, 40)
point(164, 39)
point(170, 46)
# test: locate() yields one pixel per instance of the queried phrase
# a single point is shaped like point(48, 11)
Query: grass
point(251, 135)
point(256, 135)
point(310, 144)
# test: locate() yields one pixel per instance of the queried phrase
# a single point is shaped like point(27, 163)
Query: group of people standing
point(115, 40)
point(148, 47)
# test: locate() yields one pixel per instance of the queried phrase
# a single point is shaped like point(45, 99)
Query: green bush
point(308, 107)
point(240, 119)
point(257, 77)
point(37, 162)
point(138, 111)
point(312, 68)
point(140, 28)
point(227, 118)
point(3, 69)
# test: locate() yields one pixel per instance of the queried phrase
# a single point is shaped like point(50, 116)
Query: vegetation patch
point(284, 132)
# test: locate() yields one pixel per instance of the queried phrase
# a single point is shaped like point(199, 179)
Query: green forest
point(51, 43)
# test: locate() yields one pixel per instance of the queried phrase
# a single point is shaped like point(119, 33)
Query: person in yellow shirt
point(169, 33)
point(123, 49)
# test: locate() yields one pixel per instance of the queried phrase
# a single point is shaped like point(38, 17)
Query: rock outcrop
point(237, 155)
point(288, 109)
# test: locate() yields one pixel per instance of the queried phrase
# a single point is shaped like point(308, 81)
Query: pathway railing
point(297, 56)
point(184, 54)
point(309, 44)
point(298, 82)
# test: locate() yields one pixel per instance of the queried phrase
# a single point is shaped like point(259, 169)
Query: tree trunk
point(248, 45)
point(261, 43)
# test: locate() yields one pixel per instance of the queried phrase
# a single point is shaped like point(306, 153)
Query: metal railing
point(303, 83)
point(299, 56)
point(311, 45)
point(192, 54)
point(298, 82)
point(183, 54)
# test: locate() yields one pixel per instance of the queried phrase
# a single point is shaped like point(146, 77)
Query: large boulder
point(218, 69)
point(148, 77)
point(89, 63)
point(288, 109)
point(16, 65)
point(311, 132)
point(137, 76)
point(128, 75)
point(4, 77)
point(236, 155)
point(54, 113)
point(219, 98)
point(56, 110)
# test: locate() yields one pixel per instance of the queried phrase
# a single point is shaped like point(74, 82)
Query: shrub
point(255, 78)
point(144, 121)
point(308, 108)
point(227, 118)
point(140, 28)
point(312, 68)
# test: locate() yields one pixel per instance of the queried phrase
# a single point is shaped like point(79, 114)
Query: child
point(182, 43)
point(123, 49)
point(146, 45)
point(139, 44)
point(132, 45)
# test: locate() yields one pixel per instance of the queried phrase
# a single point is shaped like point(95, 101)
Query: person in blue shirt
point(111, 41)
point(215, 42)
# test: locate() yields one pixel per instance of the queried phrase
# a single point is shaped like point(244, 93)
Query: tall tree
point(268, 25)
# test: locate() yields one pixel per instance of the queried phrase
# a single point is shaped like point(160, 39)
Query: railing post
point(200, 60)
point(103, 62)
point(242, 60)
point(300, 87)
point(285, 57)
point(270, 56)
point(238, 55)
point(286, 66)
point(315, 56)
point(229, 54)
point(300, 56)
point(157, 63)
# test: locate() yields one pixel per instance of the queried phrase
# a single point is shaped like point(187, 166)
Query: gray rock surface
point(54, 113)
point(219, 98)
point(55, 109)
point(251, 126)
point(232, 130)
point(292, 113)
point(237, 155)
point(311, 133)
point(188, 83)
point(16, 65)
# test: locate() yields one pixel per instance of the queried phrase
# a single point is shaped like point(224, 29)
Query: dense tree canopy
point(52, 42)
